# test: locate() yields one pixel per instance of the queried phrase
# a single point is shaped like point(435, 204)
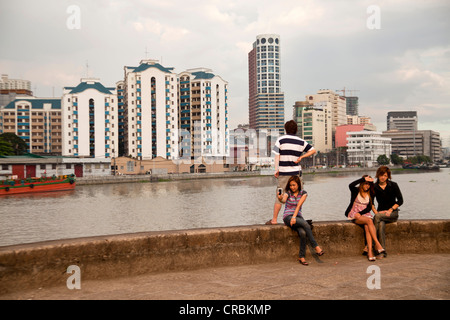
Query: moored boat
point(34, 185)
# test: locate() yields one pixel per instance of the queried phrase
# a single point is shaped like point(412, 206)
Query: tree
point(15, 142)
point(383, 160)
point(396, 159)
point(5, 148)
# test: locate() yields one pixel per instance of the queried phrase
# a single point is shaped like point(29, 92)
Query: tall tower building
point(149, 116)
point(203, 114)
point(266, 100)
point(89, 118)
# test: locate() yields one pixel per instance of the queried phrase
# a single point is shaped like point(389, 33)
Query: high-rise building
point(402, 120)
point(335, 103)
point(37, 121)
point(266, 100)
point(149, 112)
point(90, 120)
point(314, 124)
point(351, 106)
point(203, 114)
point(10, 89)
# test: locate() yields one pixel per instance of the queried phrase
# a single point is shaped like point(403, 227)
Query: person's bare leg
point(276, 210)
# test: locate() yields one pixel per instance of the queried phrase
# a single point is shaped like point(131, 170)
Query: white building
point(203, 113)
point(90, 120)
point(364, 147)
point(335, 102)
point(149, 111)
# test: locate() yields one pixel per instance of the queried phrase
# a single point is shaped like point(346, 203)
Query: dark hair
point(297, 180)
point(290, 127)
point(371, 189)
point(382, 170)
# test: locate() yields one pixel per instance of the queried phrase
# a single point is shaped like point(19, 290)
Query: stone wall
point(43, 264)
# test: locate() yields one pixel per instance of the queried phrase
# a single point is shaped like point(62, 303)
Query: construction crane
point(344, 92)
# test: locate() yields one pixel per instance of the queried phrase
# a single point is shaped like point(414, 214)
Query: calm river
point(93, 210)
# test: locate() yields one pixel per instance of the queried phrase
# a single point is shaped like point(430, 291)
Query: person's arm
point(306, 155)
point(277, 164)
point(355, 183)
point(283, 197)
point(297, 209)
point(399, 199)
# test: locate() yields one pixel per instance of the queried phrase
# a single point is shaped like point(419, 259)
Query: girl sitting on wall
point(359, 212)
point(294, 197)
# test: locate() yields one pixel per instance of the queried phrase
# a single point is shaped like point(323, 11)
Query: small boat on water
point(34, 185)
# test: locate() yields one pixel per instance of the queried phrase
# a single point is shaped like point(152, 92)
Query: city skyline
point(397, 55)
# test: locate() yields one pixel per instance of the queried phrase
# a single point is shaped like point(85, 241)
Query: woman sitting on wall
point(358, 211)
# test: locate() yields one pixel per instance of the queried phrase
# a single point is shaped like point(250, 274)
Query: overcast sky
point(398, 58)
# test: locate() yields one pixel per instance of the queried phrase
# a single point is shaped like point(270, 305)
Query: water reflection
point(135, 207)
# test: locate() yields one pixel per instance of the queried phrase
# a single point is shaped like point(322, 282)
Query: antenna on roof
point(87, 69)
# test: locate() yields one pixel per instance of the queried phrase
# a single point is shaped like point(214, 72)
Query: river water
point(93, 210)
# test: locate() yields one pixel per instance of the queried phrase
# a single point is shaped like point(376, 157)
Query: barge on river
point(34, 185)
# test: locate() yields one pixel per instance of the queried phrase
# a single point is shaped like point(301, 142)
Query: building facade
point(203, 114)
point(333, 102)
point(90, 120)
point(10, 89)
point(38, 121)
point(266, 99)
point(413, 143)
point(149, 113)
point(341, 132)
point(364, 147)
point(314, 124)
point(402, 120)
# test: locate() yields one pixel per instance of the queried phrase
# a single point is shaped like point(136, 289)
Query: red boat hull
point(35, 187)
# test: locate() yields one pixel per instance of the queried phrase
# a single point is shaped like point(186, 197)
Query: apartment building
point(203, 114)
point(334, 102)
point(314, 124)
point(148, 114)
point(10, 89)
point(90, 120)
point(37, 121)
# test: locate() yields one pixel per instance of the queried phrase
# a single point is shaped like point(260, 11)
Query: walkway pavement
point(400, 277)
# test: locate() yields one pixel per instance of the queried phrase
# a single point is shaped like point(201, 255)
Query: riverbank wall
point(90, 180)
point(46, 264)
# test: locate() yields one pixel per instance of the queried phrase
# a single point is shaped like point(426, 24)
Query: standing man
point(289, 151)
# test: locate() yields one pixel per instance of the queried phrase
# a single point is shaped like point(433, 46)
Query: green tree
point(383, 160)
point(396, 159)
point(5, 148)
point(16, 143)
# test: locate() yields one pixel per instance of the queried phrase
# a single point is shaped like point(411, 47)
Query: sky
point(393, 55)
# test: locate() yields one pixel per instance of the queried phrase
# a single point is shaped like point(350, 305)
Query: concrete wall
point(45, 264)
